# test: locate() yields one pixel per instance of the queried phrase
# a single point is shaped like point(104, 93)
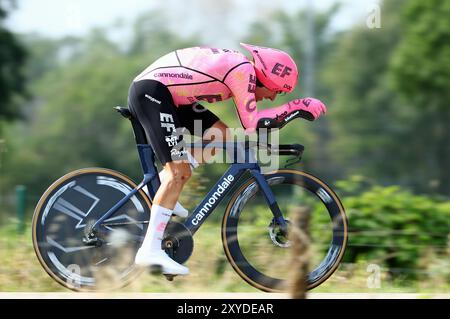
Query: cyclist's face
point(264, 93)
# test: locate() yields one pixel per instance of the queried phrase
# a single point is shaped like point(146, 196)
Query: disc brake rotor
point(276, 235)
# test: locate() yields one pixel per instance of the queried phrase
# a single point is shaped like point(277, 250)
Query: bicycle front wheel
point(65, 214)
point(250, 237)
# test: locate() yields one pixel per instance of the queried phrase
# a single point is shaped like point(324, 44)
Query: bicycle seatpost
point(139, 132)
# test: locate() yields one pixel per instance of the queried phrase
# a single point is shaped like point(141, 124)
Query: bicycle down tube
point(216, 194)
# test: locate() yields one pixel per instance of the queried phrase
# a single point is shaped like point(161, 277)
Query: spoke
point(67, 249)
point(123, 216)
point(101, 261)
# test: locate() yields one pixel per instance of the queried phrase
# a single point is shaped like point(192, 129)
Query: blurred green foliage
point(389, 109)
point(72, 124)
point(12, 79)
point(385, 89)
point(420, 69)
point(371, 127)
point(393, 227)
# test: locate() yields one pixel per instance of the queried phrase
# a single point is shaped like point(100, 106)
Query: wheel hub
point(278, 236)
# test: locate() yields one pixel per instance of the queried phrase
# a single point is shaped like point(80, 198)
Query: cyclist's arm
point(307, 108)
point(242, 83)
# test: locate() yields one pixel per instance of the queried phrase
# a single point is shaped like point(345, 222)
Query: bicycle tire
point(114, 186)
point(236, 206)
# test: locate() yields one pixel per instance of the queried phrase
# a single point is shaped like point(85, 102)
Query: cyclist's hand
point(310, 108)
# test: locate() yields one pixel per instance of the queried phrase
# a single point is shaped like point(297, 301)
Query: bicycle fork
point(271, 201)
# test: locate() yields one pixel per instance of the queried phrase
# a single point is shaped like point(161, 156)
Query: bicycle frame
point(215, 195)
point(247, 162)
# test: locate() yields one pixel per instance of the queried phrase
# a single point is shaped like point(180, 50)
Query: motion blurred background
point(382, 68)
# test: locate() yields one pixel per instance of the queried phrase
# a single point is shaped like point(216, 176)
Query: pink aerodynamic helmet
point(274, 68)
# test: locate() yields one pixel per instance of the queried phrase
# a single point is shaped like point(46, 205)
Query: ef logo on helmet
point(281, 70)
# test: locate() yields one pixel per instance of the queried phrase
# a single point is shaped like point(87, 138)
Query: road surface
point(206, 295)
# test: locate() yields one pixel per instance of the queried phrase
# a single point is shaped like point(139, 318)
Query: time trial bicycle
point(89, 224)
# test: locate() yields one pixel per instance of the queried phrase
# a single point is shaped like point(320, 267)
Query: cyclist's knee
point(178, 173)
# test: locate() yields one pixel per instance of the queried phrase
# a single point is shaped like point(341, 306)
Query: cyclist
point(164, 98)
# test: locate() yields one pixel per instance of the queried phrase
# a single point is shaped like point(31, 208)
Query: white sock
point(159, 218)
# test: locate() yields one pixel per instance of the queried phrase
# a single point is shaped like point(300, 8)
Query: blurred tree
point(371, 123)
point(150, 40)
point(12, 59)
point(43, 56)
point(390, 97)
point(76, 127)
point(421, 72)
point(76, 84)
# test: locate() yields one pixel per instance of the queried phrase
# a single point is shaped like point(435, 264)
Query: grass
point(20, 271)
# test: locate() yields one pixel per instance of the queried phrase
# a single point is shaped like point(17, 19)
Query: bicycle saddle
point(124, 111)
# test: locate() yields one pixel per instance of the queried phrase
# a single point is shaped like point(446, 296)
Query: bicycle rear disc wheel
point(64, 215)
point(251, 241)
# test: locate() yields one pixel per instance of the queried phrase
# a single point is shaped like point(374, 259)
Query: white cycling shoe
point(179, 210)
point(160, 258)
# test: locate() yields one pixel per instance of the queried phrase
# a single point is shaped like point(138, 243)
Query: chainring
point(178, 242)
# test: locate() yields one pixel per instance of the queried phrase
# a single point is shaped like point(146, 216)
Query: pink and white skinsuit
point(208, 74)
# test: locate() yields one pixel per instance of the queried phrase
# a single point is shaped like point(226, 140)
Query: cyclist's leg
point(176, 175)
point(196, 120)
point(152, 104)
point(203, 123)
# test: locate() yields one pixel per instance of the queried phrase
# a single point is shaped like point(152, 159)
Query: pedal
point(170, 277)
point(95, 242)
